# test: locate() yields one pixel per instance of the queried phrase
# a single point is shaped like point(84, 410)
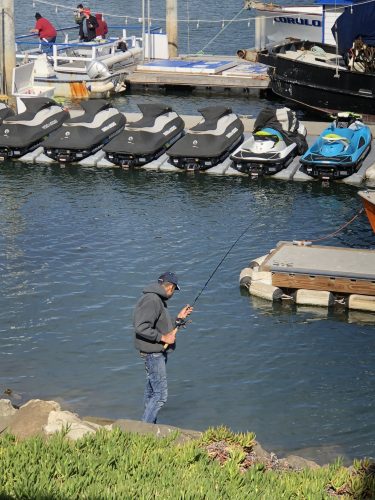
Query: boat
point(209, 142)
point(83, 135)
point(77, 69)
point(25, 131)
point(146, 139)
point(328, 78)
point(5, 111)
point(368, 200)
point(339, 150)
point(276, 139)
point(274, 24)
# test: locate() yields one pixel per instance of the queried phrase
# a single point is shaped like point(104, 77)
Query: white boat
point(275, 23)
point(75, 69)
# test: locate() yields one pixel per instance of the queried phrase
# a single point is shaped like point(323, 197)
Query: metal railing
point(72, 55)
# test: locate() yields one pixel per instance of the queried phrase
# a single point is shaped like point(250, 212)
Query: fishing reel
point(181, 322)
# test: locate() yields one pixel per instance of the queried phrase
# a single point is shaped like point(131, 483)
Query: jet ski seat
point(33, 106)
point(211, 115)
point(149, 114)
point(332, 138)
point(91, 109)
point(262, 135)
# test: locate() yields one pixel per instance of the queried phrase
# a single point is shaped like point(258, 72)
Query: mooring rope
point(335, 232)
point(224, 27)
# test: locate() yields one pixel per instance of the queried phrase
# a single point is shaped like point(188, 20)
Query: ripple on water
point(77, 251)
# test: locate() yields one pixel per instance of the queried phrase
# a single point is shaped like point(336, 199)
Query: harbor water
point(77, 246)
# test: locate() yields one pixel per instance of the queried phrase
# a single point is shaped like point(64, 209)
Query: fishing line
point(182, 322)
point(219, 264)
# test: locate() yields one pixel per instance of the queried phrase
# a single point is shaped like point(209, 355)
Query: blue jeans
point(156, 391)
point(47, 43)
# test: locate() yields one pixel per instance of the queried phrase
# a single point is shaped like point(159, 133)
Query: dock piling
point(8, 49)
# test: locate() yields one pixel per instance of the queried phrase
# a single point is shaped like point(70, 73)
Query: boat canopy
point(356, 21)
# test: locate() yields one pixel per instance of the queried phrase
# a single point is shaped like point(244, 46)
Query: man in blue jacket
point(155, 336)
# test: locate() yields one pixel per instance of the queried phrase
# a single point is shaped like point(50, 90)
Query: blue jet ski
point(339, 150)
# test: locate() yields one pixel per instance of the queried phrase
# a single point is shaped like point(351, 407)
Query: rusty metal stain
point(78, 90)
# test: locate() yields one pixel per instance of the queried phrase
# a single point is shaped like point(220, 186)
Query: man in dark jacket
point(155, 335)
point(91, 25)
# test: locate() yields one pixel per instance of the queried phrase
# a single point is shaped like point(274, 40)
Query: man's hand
point(170, 337)
point(185, 312)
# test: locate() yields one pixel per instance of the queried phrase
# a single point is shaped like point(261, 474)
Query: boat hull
point(368, 200)
point(327, 88)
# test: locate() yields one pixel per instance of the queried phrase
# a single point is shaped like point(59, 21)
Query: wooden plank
point(327, 283)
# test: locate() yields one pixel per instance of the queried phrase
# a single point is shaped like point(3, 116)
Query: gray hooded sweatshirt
point(151, 319)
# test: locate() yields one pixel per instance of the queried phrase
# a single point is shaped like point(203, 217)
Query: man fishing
point(155, 336)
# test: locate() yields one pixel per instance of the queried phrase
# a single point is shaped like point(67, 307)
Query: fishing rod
point(182, 322)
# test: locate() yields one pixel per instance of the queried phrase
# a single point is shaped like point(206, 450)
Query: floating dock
point(292, 172)
point(314, 275)
point(204, 72)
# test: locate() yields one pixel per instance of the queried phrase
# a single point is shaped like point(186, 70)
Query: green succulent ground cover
point(118, 465)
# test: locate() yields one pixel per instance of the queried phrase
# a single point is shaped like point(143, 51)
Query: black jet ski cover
point(5, 112)
point(148, 134)
point(210, 138)
point(41, 117)
point(285, 121)
point(88, 129)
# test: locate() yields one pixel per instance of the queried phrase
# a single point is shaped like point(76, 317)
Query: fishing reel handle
point(179, 323)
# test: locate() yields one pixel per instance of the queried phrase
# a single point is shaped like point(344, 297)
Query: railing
point(70, 55)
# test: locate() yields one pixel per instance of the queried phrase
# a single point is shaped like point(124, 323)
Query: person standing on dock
point(46, 31)
point(155, 336)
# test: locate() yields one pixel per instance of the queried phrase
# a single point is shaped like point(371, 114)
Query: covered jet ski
point(276, 139)
point(5, 111)
point(25, 131)
point(210, 141)
point(146, 139)
point(85, 134)
point(339, 150)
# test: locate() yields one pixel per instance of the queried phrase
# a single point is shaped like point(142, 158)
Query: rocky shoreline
point(45, 418)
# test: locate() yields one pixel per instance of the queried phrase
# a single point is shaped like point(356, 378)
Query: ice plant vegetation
point(115, 464)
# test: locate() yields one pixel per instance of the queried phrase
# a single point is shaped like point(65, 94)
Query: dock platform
point(227, 73)
point(314, 275)
point(344, 270)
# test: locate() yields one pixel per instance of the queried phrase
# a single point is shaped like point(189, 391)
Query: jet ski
point(276, 139)
point(209, 142)
point(85, 134)
point(25, 131)
point(5, 111)
point(146, 139)
point(339, 150)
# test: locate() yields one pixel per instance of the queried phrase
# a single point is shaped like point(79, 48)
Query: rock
point(156, 430)
point(31, 418)
point(261, 454)
point(6, 408)
point(76, 428)
point(300, 463)
point(104, 422)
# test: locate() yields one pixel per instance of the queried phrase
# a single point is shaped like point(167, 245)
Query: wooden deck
point(206, 73)
point(335, 269)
